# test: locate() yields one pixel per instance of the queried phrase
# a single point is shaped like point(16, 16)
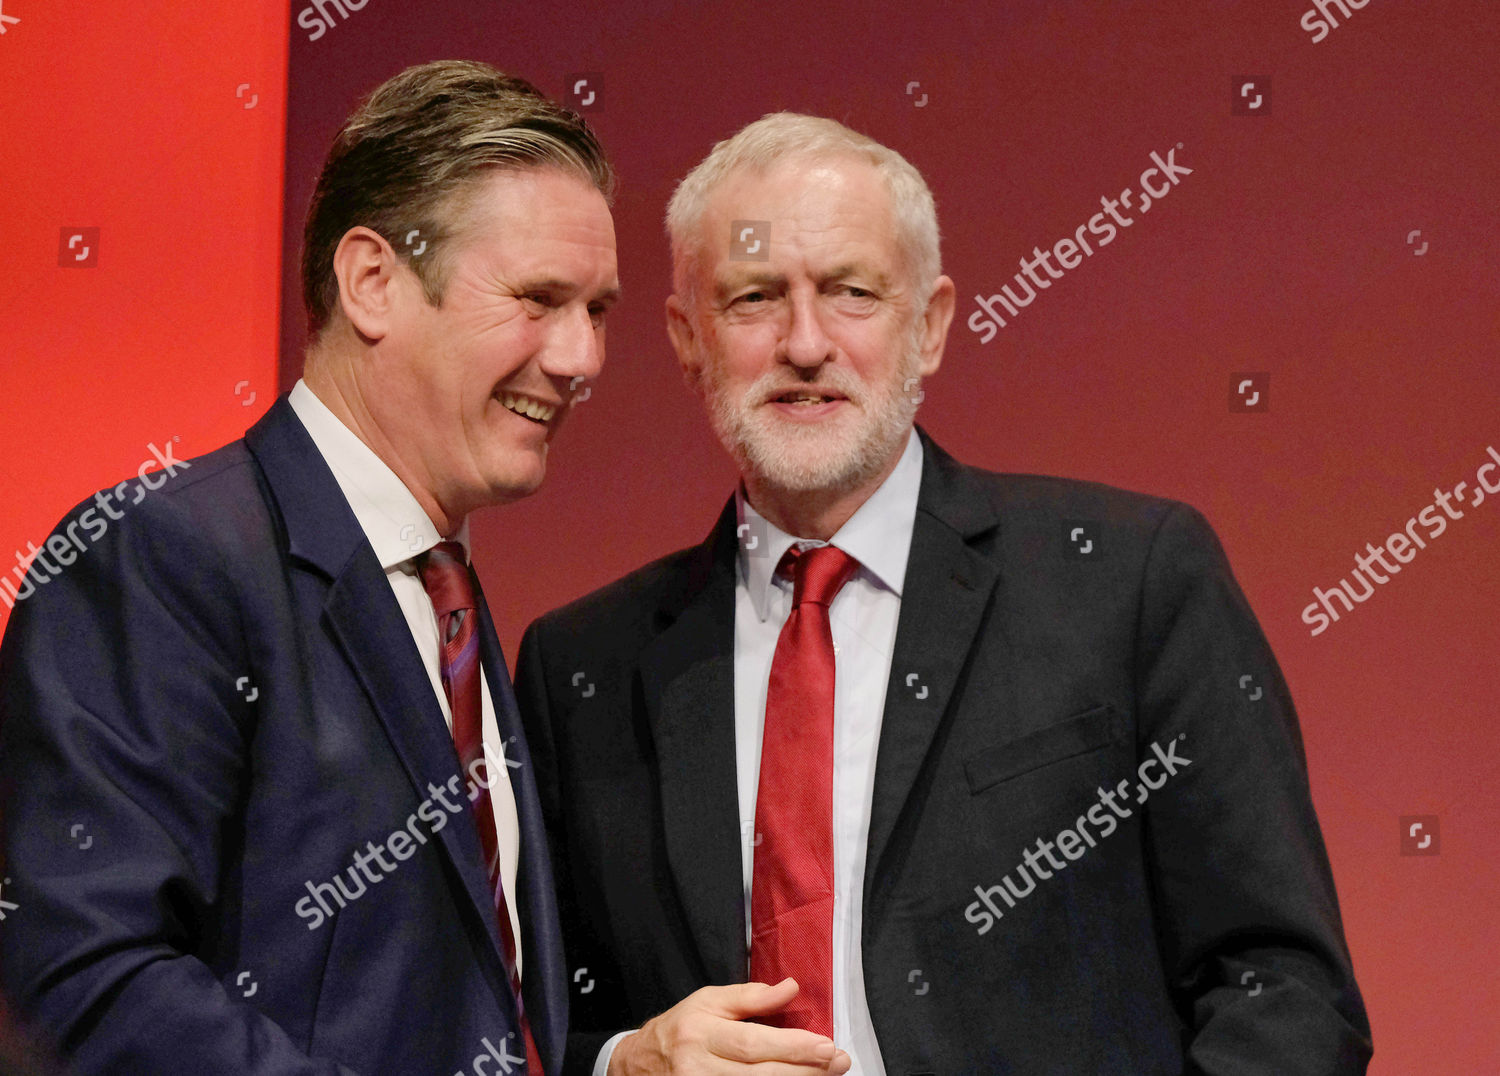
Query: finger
point(842, 1063)
point(741, 1000)
point(753, 1043)
point(781, 1068)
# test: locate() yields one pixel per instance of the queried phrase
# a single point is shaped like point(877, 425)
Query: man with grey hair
point(267, 803)
point(913, 768)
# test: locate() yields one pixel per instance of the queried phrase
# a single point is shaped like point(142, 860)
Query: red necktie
point(791, 891)
point(450, 585)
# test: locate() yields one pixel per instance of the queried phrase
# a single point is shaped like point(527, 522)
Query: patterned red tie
point(451, 586)
point(791, 892)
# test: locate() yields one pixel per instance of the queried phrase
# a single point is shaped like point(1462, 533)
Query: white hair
point(782, 136)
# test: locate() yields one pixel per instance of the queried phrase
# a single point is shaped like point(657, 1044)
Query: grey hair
point(782, 136)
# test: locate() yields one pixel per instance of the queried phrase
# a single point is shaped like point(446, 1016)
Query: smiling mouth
point(806, 397)
point(526, 407)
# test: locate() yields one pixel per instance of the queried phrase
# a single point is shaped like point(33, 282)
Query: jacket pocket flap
point(1077, 735)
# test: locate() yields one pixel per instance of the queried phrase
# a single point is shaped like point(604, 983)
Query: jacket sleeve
point(123, 759)
point(602, 1012)
point(1248, 919)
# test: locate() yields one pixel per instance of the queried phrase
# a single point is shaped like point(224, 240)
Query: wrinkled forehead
point(833, 207)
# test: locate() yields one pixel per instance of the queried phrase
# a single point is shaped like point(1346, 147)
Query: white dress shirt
point(863, 617)
point(398, 530)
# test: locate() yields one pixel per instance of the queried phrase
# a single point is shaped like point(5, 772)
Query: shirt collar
point(878, 534)
point(394, 523)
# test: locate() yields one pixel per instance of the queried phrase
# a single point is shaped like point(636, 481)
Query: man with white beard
point(809, 744)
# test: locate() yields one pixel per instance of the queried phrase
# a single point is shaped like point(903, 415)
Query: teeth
point(521, 405)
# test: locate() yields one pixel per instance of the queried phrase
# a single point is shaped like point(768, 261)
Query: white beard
point(836, 455)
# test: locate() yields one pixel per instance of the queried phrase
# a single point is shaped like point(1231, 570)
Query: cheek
point(489, 348)
point(731, 376)
point(745, 354)
point(879, 356)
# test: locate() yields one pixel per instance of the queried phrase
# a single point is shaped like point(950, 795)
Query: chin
point(517, 480)
point(802, 460)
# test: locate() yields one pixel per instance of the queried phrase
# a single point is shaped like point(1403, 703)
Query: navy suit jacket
point(203, 720)
point(1199, 934)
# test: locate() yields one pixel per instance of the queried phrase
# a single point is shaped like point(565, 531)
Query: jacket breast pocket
point(1088, 731)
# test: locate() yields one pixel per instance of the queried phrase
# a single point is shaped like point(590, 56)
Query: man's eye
point(856, 292)
point(596, 314)
point(752, 297)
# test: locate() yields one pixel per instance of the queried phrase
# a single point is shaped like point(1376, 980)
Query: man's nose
point(806, 343)
point(574, 347)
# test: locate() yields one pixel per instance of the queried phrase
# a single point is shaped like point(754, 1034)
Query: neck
point(333, 382)
point(818, 513)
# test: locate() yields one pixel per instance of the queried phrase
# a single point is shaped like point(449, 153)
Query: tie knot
point(818, 573)
point(446, 578)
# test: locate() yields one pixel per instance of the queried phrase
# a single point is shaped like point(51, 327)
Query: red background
point(1285, 251)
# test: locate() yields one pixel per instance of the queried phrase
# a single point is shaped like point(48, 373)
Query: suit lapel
point(366, 619)
point(369, 624)
point(545, 975)
point(687, 675)
point(944, 597)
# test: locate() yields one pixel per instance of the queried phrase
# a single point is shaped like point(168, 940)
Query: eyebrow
point(610, 295)
point(723, 287)
point(762, 278)
point(848, 269)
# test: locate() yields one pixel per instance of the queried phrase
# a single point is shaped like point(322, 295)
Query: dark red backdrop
point(1286, 251)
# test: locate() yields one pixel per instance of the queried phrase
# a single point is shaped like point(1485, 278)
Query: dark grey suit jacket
point(1198, 933)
